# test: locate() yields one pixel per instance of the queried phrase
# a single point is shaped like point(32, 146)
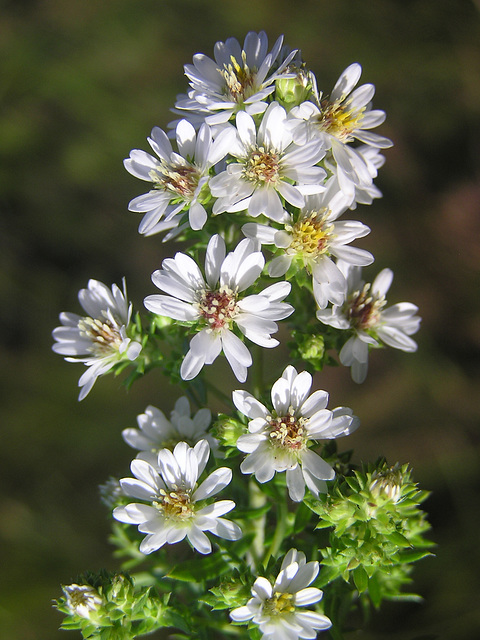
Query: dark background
point(82, 83)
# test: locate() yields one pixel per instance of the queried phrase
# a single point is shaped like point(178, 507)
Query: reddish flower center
point(364, 309)
point(287, 432)
point(218, 307)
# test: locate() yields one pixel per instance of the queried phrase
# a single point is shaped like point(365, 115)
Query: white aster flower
point(176, 506)
point(83, 600)
point(339, 120)
point(278, 609)
point(268, 163)
point(312, 238)
point(237, 79)
point(179, 178)
point(99, 339)
point(364, 314)
point(216, 305)
point(279, 440)
point(155, 432)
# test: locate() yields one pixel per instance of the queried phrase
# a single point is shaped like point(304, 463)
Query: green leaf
point(412, 556)
point(398, 539)
point(326, 575)
point(374, 591)
point(360, 578)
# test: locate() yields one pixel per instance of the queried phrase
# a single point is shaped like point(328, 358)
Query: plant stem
point(279, 533)
point(257, 499)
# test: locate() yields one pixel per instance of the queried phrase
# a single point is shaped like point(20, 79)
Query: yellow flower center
point(279, 604)
point(310, 235)
point(287, 432)
point(175, 505)
point(262, 166)
point(364, 309)
point(218, 307)
point(104, 334)
point(239, 79)
point(339, 120)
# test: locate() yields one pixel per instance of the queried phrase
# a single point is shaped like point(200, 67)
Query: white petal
point(214, 258)
point(248, 405)
point(197, 216)
point(215, 482)
point(318, 400)
point(216, 509)
point(262, 588)
point(170, 307)
point(226, 529)
point(199, 540)
point(295, 484)
point(279, 266)
point(316, 466)
point(382, 282)
point(235, 350)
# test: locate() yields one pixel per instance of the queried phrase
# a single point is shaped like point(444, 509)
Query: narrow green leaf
point(360, 578)
point(374, 591)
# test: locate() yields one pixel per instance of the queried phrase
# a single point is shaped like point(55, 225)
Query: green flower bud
point(290, 92)
point(227, 430)
point(312, 348)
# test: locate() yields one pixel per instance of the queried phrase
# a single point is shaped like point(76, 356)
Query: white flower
point(238, 78)
point(279, 440)
point(339, 120)
point(99, 339)
point(215, 304)
point(268, 162)
point(364, 314)
point(156, 432)
point(312, 238)
point(276, 609)
point(172, 493)
point(83, 600)
point(179, 178)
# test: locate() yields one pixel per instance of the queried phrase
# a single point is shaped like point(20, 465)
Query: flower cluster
point(256, 141)
point(255, 177)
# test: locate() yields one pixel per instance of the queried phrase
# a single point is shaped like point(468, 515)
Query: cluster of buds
point(107, 606)
point(377, 528)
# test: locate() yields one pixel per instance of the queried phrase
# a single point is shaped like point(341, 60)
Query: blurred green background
point(82, 83)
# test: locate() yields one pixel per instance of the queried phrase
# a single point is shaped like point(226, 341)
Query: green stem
point(279, 533)
point(257, 499)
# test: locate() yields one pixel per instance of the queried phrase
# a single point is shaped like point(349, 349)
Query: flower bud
point(290, 92)
point(387, 484)
point(83, 600)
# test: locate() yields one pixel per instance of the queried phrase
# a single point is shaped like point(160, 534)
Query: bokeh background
point(81, 84)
